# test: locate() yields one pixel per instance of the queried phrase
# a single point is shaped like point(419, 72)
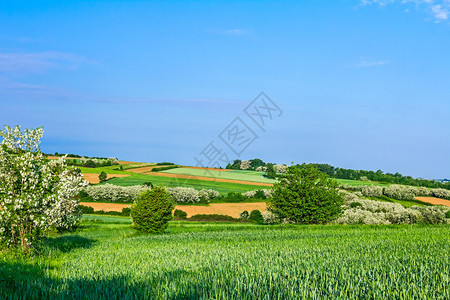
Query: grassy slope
point(234, 174)
point(232, 261)
point(221, 187)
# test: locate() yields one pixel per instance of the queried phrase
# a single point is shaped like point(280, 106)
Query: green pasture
point(108, 260)
point(221, 187)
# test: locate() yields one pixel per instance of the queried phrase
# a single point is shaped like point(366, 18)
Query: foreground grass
point(235, 261)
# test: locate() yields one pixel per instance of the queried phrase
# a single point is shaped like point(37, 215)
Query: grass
point(235, 261)
point(221, 187)
point(233, 174)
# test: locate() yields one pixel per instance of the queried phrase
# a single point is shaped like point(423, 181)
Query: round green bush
point(179, 214)
point(255, 215)
point(447, 214)
point(152, 210)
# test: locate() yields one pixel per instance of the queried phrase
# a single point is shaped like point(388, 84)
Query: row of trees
point(379, 176)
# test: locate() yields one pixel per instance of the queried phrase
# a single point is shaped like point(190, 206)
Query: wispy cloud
point(438, 9)
point(232, 32)
point(38, 62)
point(364, 63)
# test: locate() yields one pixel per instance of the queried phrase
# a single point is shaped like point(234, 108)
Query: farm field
point(229, 209)
point(435, 201)
point(221, 187)
point(231, 174)
point(106, 259)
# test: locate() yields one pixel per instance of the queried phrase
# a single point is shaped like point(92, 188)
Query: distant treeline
point(379, 176)
point(75, 155)
point(273, 169)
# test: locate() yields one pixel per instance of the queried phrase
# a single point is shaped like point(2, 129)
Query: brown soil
point(93, 177)
point(105, 206)
point(435, 201)
point(144, 169)
point(229, 209)
point(123, 162)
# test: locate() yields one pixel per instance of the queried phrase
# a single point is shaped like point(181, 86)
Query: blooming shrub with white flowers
point(114, 193)
point(184, 194)
point(363, 211)
point(35, 193)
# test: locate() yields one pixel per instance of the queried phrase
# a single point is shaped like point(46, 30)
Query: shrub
point(447, 214)
point(400, 192)
point(441, 193)
point(164, 168)
point(86, 209)
point(113, 193)
point(378, 212)
point(184, 194)
point(244, 215)
point(245, 165)
point(35, 193)
point(372, 191)
point(102, 176)
point(152, 210)
point(256, 216)
point(270, 218)
point(306, 196)
point(207, 194)
point(235, 197)
point(179, 214)
point(126, 211)
point(148, 184)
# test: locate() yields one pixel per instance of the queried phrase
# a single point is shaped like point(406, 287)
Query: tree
point(305, 195)
point(35, 193)
point(102, 176)
point(152, 210)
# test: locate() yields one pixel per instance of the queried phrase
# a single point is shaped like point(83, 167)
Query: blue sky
point(362, 84)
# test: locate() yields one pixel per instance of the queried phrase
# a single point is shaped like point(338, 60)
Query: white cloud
point(439, 12)
point(438, 9)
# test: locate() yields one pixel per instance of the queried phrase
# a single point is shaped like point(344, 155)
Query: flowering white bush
point(245, 165)
point(441, 193)
point(208, 194)
point(401, 192)
point(184, 194)
point(261, 169)
point(280, 168)
point(372, 191)
point(251, 194)
point(35, 193)
point(270, 218)
point(377, 212)
point(113, 193)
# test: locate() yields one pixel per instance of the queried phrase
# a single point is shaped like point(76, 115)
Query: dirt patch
point(435, 201)
point(105, 206)
point(212, 169)
point(229, 209)
point(210, 179)
point(123, 162)
point(93, 177)
point(143, 170)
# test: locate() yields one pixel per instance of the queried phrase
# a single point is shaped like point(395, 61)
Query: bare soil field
point(144, 170)
point(93, 177)
point(435, 201)
point(229, 209)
